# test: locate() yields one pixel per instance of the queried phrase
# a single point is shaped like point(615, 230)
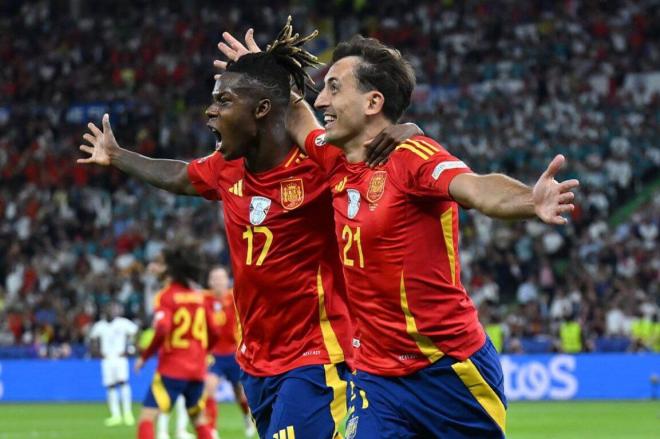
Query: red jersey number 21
point(351, 238)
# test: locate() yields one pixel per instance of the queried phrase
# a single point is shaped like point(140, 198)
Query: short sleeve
point(130, 327)
point(204, 175)
point(323, 154)
point(95, 332)
point(162, 318)
point(426, 169)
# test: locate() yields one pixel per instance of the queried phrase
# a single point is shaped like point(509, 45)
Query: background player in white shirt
point(111, 337)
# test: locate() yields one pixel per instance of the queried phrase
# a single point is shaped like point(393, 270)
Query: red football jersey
point(397, 228)
point(288, 287)
point(223, 317)
point(181, 326)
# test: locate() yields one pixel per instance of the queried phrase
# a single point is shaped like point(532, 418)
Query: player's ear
point(262, 109)
point(374, 103)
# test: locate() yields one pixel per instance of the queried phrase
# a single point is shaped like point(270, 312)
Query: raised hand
point(551, 198)
point(234, 49)
point(103, 144)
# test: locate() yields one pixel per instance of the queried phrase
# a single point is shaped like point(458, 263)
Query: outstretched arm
point(503, 197)
point(171, 175)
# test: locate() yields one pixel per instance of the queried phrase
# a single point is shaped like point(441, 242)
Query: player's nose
point(211, 111)
point(322, 100)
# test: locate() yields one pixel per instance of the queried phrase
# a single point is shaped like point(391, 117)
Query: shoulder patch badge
point(292, 193)
point(376, 186)
point(320, 140)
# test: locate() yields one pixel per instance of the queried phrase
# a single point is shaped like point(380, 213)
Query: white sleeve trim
point(442, 167)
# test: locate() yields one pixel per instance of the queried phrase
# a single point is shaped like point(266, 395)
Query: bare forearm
point(170, 175)
point(503, 197)
point(301, 120)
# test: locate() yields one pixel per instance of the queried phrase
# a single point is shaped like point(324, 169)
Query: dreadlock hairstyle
point(183, 261)
point(283, 62)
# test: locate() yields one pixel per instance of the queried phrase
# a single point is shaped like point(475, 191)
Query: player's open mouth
point(218, 136)
point(328, 120)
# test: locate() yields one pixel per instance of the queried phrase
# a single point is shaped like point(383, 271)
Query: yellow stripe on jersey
point(429, 145)
point(239, 328)
point(293, 157)
point(447, 221)
point(424, 344)
point(338, 386)
point(423, 147)
point(160, 394)
point(414, 150)
point(483, 393)
point(329, 337)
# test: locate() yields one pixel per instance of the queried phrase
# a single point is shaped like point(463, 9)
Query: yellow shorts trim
point(338, 405)
point(160, 394)
point(481, 390)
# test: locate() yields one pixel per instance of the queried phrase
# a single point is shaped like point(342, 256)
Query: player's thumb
point(106, 124)
point(554, 166)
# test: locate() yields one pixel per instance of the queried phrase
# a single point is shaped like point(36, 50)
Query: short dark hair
point(183, 261)
point(283, 61)
point(382, 68)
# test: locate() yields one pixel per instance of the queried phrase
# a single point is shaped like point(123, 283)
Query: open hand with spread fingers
point(103, 144)
point(234, 49)
point(552, 198)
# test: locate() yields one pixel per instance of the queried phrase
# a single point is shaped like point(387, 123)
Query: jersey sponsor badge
point(320, 140)
point(353, 202)
point(292, 193)
point(376, 186)
point(259, 207)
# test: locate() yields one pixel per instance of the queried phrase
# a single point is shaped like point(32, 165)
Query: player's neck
point(273, 144)
point(355, 149)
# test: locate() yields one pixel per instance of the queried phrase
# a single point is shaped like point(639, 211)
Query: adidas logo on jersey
point(237, 188)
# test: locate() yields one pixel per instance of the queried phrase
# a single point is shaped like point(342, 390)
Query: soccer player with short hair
point(288, 291)
point(220, 299)
point(425, 367)
point(182, 334)
point(111, 338)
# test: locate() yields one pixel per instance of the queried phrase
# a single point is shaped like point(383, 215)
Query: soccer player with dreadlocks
point(182, 334)
point(288, 290)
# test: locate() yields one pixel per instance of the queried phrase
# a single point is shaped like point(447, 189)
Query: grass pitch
point(526, 420)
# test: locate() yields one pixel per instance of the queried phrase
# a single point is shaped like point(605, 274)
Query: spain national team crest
point(376, 186)
point(292, 193)
point(353, 203)
point(259, 207)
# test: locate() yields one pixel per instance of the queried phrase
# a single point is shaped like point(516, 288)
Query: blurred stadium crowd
point(504, 85)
